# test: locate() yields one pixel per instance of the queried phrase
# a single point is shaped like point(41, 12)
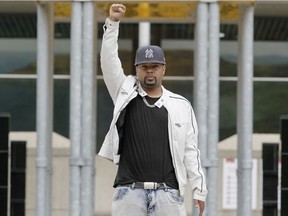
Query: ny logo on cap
point(149, 53)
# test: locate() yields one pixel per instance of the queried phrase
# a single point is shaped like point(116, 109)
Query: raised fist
point(116, 12)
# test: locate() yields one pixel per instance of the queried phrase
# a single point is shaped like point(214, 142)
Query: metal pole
point(144, 33)
point(45, 36)
point(75, 108)
point(200, 81)
point(245, 109)
point(213, 108)
point(88, 110)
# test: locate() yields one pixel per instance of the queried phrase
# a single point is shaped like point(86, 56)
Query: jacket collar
point(159, 103)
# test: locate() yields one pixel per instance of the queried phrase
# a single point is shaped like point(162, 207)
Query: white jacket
point(182, 124)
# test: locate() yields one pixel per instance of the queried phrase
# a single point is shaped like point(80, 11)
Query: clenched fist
point(116, 12)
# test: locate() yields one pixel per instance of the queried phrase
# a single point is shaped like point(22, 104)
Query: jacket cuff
point(111, 24)
point(198, 195)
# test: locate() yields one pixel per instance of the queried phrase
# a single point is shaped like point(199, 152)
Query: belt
point(147, 185)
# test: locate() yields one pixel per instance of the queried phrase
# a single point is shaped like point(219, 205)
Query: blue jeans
point(129, 201)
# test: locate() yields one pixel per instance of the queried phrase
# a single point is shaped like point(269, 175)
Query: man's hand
point(200, 204)
point(116, 12)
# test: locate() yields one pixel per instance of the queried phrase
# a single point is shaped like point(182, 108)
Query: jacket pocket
point(180, 130)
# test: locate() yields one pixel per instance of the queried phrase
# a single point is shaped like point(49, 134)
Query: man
point(153, 130)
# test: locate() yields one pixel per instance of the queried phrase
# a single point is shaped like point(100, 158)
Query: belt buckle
point(151, 185)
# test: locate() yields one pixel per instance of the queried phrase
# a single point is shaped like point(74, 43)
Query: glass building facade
point(18, 73)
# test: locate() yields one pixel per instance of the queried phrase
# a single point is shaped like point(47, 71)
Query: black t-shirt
point(144, 145)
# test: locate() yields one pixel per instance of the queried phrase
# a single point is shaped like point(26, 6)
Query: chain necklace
point(147, 104)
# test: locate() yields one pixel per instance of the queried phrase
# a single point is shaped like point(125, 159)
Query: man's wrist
point(111, 24)
point(113, 19)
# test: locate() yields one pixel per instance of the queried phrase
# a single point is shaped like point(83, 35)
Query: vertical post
point(88, 110)
point(83, 109)
point(75, 107)
point(144, 33)
point(45, 37)
point(245, 109)
point(213, 108)
point(201, 75)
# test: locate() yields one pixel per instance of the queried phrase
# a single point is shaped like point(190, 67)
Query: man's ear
point(164, 69)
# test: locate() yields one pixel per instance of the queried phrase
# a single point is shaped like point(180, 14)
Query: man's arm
point(193, 165)
point(110, 63)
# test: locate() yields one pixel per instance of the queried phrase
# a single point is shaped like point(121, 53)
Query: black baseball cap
point(149, 54)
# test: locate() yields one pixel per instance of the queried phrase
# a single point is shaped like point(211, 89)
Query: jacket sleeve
point(110, 63)
point(192, 161)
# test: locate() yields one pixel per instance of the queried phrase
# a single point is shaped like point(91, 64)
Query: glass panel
point(18, 97)
point(270, 59)
point(227, 109)
point(61, 106)
point(62, 56)
point(18, 56)
point(270, 102)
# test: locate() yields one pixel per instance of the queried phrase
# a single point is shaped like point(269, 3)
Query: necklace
point(147, 104)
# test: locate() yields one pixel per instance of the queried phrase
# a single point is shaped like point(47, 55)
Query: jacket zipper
point(129, 98)
point(173, 150)
point(122, 106)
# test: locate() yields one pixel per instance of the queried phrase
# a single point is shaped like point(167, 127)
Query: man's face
point(150, 75)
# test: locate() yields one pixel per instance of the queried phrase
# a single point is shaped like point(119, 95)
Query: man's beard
point(150, 83)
